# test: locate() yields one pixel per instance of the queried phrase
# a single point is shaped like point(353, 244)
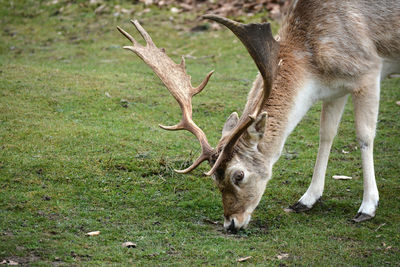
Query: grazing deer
point(326, 50)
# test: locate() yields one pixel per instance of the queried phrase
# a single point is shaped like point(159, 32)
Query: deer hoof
point(298, 207)
point(361, 217)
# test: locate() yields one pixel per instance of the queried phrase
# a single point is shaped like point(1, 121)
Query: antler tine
point(143, 32)
point(178, 83)
point(194, 165)
point(127, 35)
point(263, 48)
point(203, 84)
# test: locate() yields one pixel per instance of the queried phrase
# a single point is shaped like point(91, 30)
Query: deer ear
point(230, 123)
point(257, 128)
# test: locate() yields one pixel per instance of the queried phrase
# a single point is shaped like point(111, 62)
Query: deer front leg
point(330, 117)
point(366, 105)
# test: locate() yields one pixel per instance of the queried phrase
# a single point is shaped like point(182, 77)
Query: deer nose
point(236, 222)
point(231, 227)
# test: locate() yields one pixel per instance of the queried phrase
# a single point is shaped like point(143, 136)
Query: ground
point(80, 151)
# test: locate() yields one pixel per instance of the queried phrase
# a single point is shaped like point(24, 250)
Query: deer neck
point(293, 93)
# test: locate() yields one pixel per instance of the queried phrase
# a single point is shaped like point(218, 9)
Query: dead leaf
point(107, 94)
point(175, 10)
point(94, 233)
point(127, 11)
point(398, 103)
point(144, 11)
point(224, 7)
point(186, 7)
point(124, 103)
point(215, 26)
point(147, 2)
point(386, 246)
point(288, 210)
point(342, 177)
point(9, 262)
point(129, 245)
point(282, 256)
point(244, 259)
point(162, 3)
point(100, 9)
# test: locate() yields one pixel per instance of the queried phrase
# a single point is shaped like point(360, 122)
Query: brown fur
point(343, 38)
point(332, 40)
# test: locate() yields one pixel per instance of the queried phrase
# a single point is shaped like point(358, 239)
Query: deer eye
point(237, 177)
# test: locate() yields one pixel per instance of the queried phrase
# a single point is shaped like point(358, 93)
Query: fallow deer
point(325, 51)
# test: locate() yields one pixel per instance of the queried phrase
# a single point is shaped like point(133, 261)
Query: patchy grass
point(73, 160)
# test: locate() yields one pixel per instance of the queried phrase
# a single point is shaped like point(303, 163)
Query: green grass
point(73, 160)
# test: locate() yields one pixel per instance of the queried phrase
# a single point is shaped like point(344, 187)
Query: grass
point(73, 160)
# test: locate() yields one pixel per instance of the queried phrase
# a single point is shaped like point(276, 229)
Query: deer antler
point(263, 48)
point(178, 83)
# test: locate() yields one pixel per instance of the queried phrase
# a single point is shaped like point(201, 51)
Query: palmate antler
point(263, 48)
point(258, 40)
point(178, 83)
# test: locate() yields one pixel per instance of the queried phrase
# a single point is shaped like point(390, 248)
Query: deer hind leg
point(330, 117)
point(366, 105)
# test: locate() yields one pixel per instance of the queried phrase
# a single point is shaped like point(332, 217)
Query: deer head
point(237, 165)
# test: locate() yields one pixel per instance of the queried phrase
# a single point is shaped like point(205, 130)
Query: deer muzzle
point(236, 222)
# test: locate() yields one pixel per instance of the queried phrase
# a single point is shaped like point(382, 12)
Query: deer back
point(343, 38)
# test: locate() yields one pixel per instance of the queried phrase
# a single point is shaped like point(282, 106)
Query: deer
point(324, 52)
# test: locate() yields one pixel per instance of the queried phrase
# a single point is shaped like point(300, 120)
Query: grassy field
point(74, 158)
